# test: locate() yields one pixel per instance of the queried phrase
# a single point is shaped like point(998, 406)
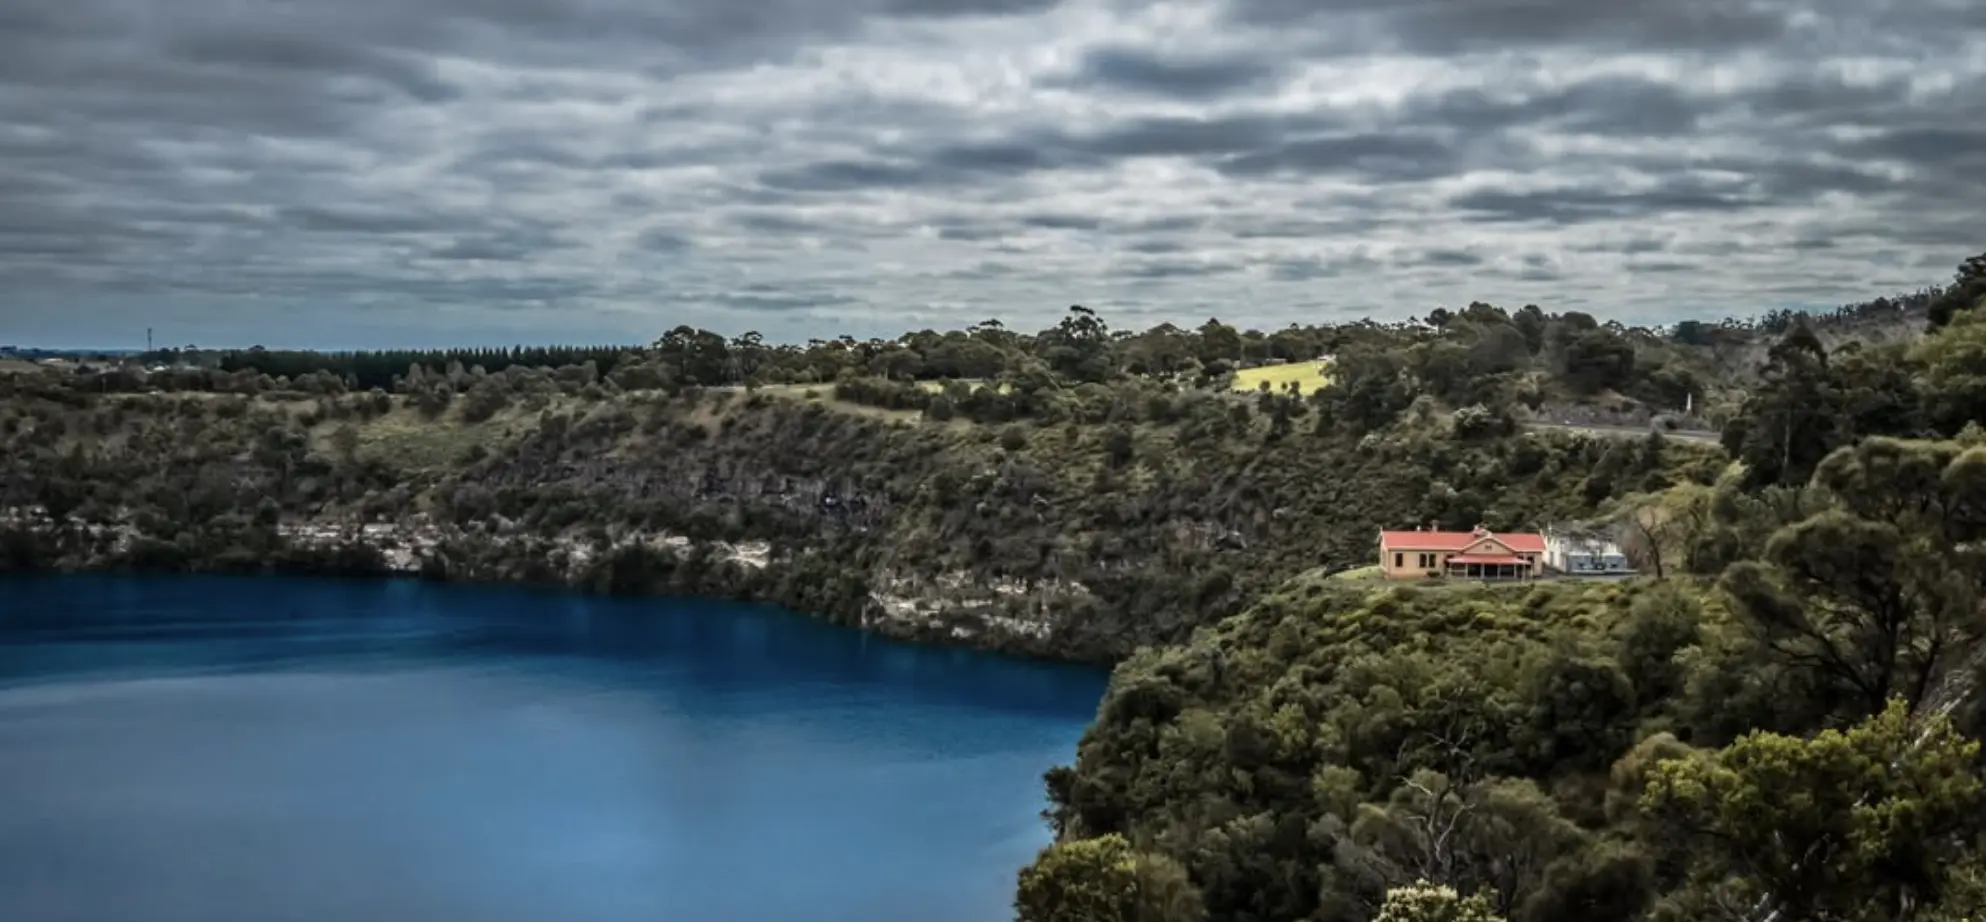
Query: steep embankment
point(1291, 758)
point(1140, 518)
point(1343, 738)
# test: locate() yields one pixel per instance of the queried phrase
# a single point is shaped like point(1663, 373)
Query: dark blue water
point(263, 750)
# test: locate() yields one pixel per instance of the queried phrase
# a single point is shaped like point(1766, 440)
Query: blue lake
point(205, 749)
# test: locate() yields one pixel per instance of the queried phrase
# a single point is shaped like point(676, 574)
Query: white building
point(1584, 552)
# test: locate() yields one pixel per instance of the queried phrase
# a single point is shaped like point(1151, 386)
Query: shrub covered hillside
point(1781, 727)
point(1077, 491)
point(1125, 515)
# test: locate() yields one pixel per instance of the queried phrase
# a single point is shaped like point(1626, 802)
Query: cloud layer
point(375, 171)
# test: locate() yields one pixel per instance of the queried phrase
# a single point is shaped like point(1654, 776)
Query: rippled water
point(262, 750)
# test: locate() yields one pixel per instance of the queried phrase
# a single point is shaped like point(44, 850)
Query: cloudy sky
point(368, 172)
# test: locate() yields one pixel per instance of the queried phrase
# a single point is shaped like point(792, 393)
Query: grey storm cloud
point(663, 240)
point(510, 244)
point(1568, 204)
point(1627, 106)
point(1441, 257)
point(499, 170)
point(1446, 27)
point(1141, 70)
point(1063, 222)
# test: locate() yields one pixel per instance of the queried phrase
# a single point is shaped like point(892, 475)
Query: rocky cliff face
point(948, 607)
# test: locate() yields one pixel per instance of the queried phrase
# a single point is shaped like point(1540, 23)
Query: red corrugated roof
point(1487, 559)
point(1519, 542)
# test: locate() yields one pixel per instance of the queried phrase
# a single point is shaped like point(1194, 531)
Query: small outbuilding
point(1585, 551)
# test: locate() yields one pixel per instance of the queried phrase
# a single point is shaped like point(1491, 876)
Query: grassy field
point(823, 394)
point(406, 440)
point(1308, 376)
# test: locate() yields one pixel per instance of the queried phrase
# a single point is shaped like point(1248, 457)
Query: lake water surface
point(264, 750)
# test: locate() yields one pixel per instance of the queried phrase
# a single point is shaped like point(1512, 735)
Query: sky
point(365, 173)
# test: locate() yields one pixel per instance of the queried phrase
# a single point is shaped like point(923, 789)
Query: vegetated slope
point(1290, 758)
point(1784, 726)
point(1342, 740)
point(1124, 515)
point(1583, 750)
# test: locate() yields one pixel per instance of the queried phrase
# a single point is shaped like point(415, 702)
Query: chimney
point(1480, 530)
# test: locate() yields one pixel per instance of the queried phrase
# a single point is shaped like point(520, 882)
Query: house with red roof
point(1480, 554)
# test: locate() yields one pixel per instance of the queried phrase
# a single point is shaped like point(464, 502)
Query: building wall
point(1409, 563)
point(1557, 549)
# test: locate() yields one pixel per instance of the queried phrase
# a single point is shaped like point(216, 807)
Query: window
point(1399, 560)
point(1427, 561)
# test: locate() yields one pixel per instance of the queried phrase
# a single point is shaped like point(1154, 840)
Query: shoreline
point(942, 610)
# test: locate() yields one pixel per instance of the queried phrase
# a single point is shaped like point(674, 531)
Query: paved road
point(1686, 435)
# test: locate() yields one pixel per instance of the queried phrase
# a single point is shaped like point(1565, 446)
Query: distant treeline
point(1881, 309)
point(1777, 322)
point(34, 353)
point(1082, 348)
point(366, 370)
